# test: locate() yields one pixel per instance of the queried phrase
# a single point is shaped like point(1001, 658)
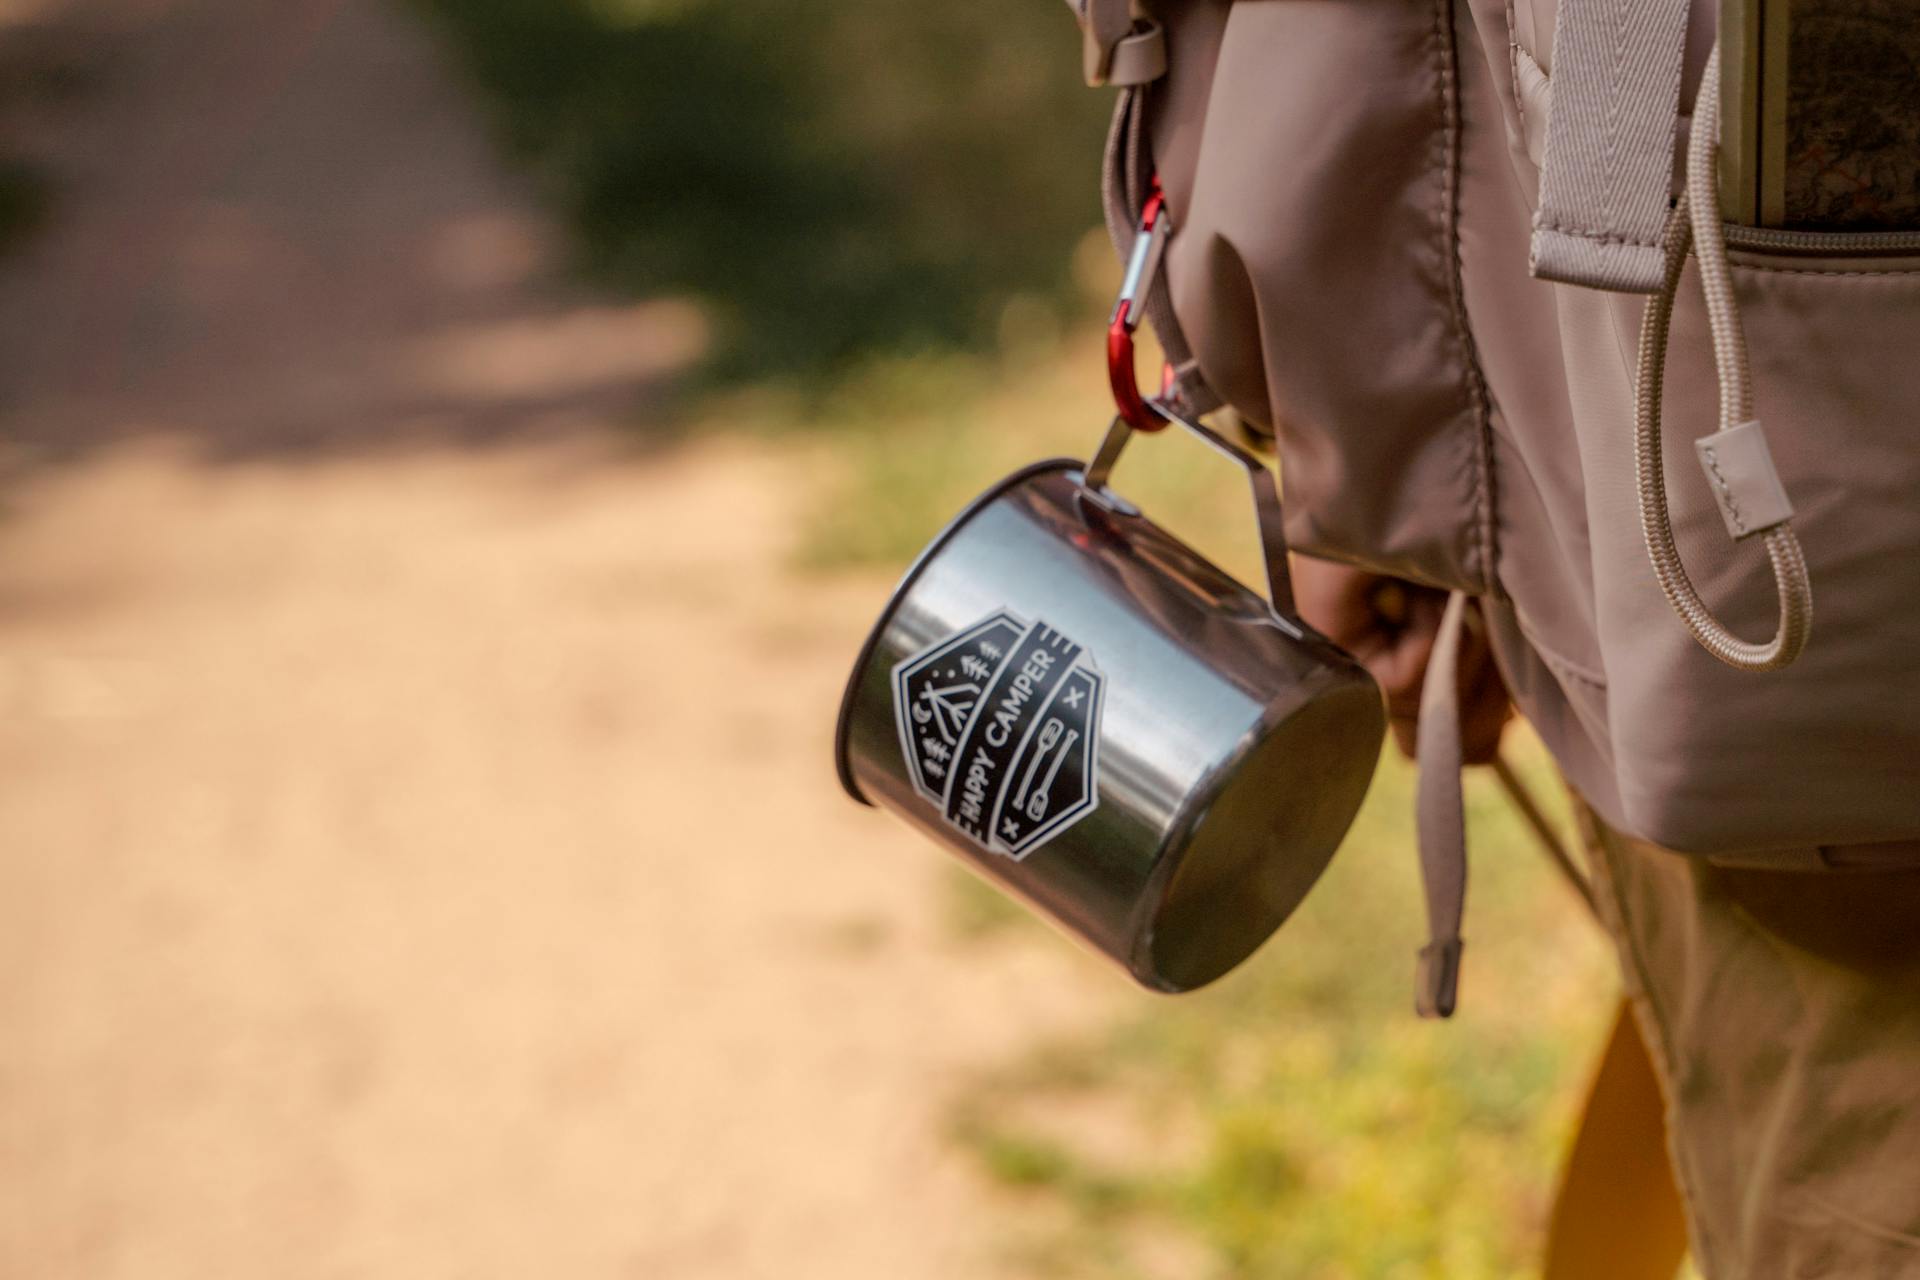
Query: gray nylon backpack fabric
point(1359, 192)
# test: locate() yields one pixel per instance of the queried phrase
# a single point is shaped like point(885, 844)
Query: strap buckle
point(1143, 268)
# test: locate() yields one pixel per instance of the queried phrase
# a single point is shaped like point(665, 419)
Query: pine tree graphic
point(950, 705)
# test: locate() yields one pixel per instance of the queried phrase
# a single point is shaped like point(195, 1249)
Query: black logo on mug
point(1000, 726)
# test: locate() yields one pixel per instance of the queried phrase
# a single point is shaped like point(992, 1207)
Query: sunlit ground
point(421, 854)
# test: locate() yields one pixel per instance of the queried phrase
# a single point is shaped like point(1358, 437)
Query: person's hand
point(1389, 625)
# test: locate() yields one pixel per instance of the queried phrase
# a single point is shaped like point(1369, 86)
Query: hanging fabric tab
point(1607, 176)
point(1441, 815)
point(1117, 48)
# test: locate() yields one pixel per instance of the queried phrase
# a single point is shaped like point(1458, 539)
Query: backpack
point(1464, 261)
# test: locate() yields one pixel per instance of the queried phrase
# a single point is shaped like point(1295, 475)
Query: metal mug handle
point(1266, 493)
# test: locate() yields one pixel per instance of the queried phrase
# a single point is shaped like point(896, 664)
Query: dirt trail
point(419, 858)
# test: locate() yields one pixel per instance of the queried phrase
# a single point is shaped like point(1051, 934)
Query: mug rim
point(842, 728)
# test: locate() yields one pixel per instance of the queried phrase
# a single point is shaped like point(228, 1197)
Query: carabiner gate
point(1143, 266)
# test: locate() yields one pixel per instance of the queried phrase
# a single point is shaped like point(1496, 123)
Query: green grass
point(867, 177)
point(1296, 1119)
point(909, 441)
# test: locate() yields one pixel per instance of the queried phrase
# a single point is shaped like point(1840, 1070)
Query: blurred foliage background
point(1295, 1120)
point(891, 212)
point(832, 181)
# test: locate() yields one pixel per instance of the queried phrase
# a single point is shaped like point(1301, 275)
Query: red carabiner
point(1143, 264)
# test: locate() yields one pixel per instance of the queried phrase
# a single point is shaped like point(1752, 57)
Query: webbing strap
point(1440, 815)
point(1607, 175)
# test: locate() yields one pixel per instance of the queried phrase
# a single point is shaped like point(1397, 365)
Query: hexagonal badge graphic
point(1000, 727)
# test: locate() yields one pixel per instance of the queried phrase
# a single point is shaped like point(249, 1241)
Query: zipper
point(1835, 243)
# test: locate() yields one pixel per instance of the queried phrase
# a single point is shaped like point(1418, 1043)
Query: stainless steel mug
point(1104, 722)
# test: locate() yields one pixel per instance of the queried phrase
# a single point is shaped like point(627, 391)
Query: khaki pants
point(1782, 1012)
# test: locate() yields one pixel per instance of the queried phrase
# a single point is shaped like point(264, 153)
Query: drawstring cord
point(1695, 223)
point(1746, 487)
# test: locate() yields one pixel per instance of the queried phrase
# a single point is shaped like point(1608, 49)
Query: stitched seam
point(1831, 275)
point(1478, 402)
point(1559, 662)
point(1513, 71)
point(1727, 498)
point(1589, 233)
